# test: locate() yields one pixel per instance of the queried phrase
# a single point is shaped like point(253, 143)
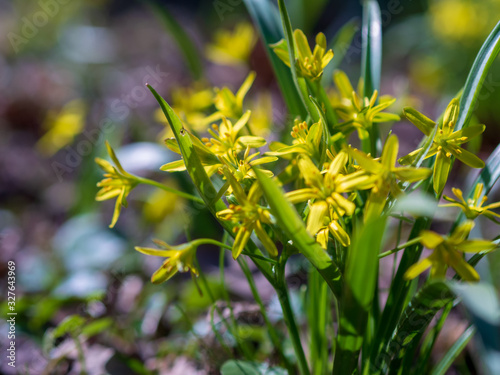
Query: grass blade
point(358, 293)
point(340, 45)
point(289, 220)
point(371, 64)
point(477, 75)
point(371, 58)
point(266, 18)
point(299, 83)
point(452, 354)
point(182, 39)
point(201, 180)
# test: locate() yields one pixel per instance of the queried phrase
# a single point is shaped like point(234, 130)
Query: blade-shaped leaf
point(371, 32)
point(477, 75)
point(182, 39)
point(299, 82)
point(371, 64)
point(266, 18)
point(358, 293)
point(452, 354)
point(340, 45)
point(289, 220)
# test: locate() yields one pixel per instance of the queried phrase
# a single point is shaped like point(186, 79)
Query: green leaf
point(289, 220)
point(201, 180)
point(234, 367)
point(71, 325)
point(266, 18)
point(182, 39)
point(452, 354)
point(371, 58)
point(96, 327)
point(371, 64)
point(340, 45)
point(477, 75)
point(358, 293)
point(299, 82)
point(416, 317)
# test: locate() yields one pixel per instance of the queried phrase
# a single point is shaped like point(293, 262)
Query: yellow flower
point(448, 253)
point(385, 174)
point(262, 114)
point(359, 112)
point(473, 207)
point(249, 216)
point(309, 64)
point(327, 204)
point(63, 127)
point(234, 47)
point(463, 21)
point(117, 183)
point(242, 169)
point(228, 104)
point(224, 146)
point(190, 103)
point(306, 140)
point(446, 143)
point(180, 258)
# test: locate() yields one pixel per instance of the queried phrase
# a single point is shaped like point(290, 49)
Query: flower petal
point(476, 246)
point(464, 269)
point(417, 269)
point(315, 219)
point(441, 170)
point(390, 152)
point(423, 123)
point(467, 157)
point(410, 174)
point(430, 239)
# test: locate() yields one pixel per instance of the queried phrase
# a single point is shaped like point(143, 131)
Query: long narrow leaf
point(266, 18)
point(358, 293)
point(371, 59)
point(477, 75)
point(200, 178)
point(371, 64)
point(299, 82)
point(452, 354)
point(182, 39)
point(340, 45)
point(289, 220)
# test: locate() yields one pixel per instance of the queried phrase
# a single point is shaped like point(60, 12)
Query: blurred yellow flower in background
point(463, 21)
point(63, 127)
point(190, 104)
point(232, 47)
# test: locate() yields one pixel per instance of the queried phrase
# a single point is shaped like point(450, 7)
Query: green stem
point(273, 334)
point(241, 346)
point(289, 318)
point(400, 247)
point(208, 241)
point(81, 356)
point(169, 189)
